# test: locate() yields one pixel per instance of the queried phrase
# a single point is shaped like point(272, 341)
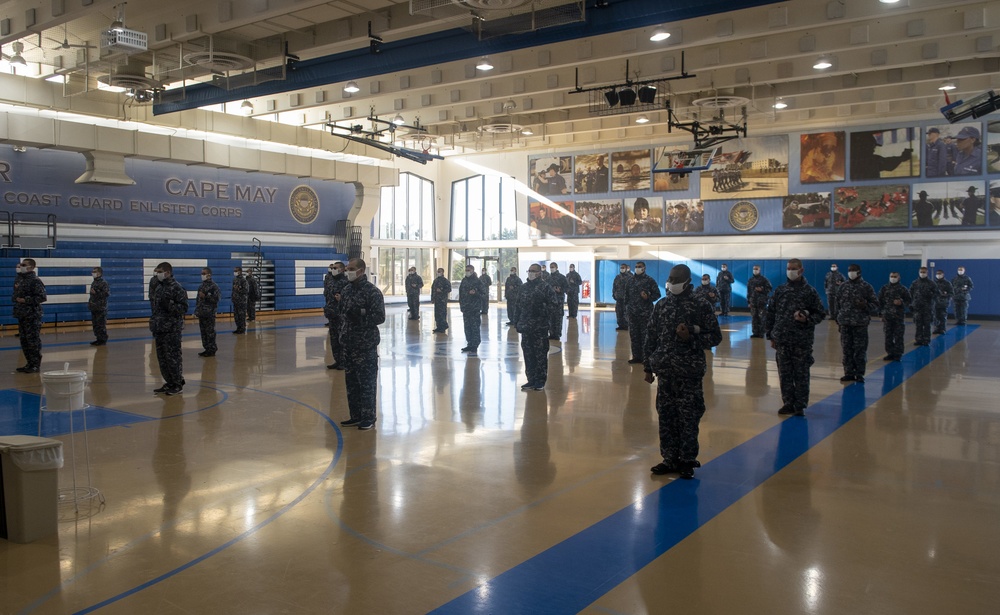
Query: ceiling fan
point(65, 44)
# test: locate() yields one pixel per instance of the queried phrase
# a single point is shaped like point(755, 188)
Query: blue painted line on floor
point(571, 575)
point(21, 410)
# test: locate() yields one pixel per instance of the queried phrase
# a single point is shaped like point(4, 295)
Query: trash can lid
point(25, 443)
point(65, 374)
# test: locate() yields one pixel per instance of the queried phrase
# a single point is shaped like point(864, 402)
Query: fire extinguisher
point(586, 289)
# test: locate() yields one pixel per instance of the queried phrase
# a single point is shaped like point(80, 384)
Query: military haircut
point(30, 262)
point(166, 267)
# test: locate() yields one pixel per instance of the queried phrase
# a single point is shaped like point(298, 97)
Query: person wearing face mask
point(253, 294)
point(724, 283)
point(573, 283)
point(681, 328)
point(923, 294)
point(487, 282)
point(758, 292)
point(440, 292)
point(470, 302)
point(18, 277)
point(640, 294)
point(706, 290)
point(831, 283)
point(944, 295)
point(27, 299)
point(857, 303)
point(618, 294)
point(559, 284)
point(511, 288)
point(414, 284)
point(792, 315)
point(328, 294)
point(239, 298)
point(97, 303)
point(170, 304)
point(962, 285)
point(362, 308)
point(536, 302)
point(205, 308)
point(338, 280)
point(893, 299)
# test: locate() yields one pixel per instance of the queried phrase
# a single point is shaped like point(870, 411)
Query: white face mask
point(676, 289)
point(236, 274)
point(623, 270)
point(833, 268)
point(440, 274)
point(853, 274)
point(553, 270)
point(756, 271)
point(923, 275)
point(640, 270)
point(793, 274)
point(704, 282)
point(330, 269)
point(513, 271)
point(939, 276)
point(533, 275)
point(469, 274)
point(413, 273)
point(352, 275)
point(893, 280)
point(19, 269)
point(161, 276)
point(961, 272)
point(723, 267)
point(337, 271)
point(95, 275)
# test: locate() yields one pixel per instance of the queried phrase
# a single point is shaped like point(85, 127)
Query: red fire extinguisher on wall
point(586, 289)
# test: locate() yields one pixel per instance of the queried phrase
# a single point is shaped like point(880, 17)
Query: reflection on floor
point(244, 495)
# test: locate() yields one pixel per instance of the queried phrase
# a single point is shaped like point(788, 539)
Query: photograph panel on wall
point(809, 210)
point(644, 216)
point(599, 217)
point(891, 152)
point(551, 175)
point(822, 157)
point(684, 216)
point(952, 150)
point(993, 149)
point(994, 199)
point(748, 168)
point(630, 170)
point(939, 204)
point(667, 182)
point(548, 221)
point(591, 174)
point(880, 206)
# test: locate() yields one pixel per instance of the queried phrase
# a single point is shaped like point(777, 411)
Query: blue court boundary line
point(573, 574)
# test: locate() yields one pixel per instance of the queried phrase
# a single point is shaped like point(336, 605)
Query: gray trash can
point(29, 487)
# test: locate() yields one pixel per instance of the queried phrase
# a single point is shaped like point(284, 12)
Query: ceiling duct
point(106, 168)
point(491, 18)
point(217, 54)
point(130, 76)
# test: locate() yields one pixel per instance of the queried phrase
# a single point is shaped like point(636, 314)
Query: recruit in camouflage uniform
point(536, 301)
point(893, 299)
point(707, 291)
point(205, 307)
point(962, 285)
point(923, 293)
point(618, 294)
point(338, 280)
point(510, 290)
point(239, 298)
point(640, 294)
point(724, 282)
point(487, 282)
point(792, 315)
point(253, 295)
point(27, 299)
point(440, 292)
point(682, 327)
point(831, 283)
point(559, 284)
point(470, 293)
point(362, 308)
point(944, 295)
point(573, 283)
point(856, 303)
point(97, 303)
point(328, 295)
point(758, 292)
point(414, 283)
point(170, 304)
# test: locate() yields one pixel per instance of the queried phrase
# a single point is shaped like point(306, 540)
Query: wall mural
point(748, 169)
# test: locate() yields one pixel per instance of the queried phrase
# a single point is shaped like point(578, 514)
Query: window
point(483, 208)
point(406, 211)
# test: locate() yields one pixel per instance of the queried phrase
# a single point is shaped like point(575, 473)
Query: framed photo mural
point(994, 200)
point(551, 175)
point(644, 216)
point(993, 149)
point(810, 210)
point(748, 168)
point(892, 152)
point(687, 216)
point(667, 182)
point(630, 170)
point(952, 150)
point(603, 217)
point(546, 221)
point(822, 157)
point(948, 204)
point(591, 174)
point(863, 207)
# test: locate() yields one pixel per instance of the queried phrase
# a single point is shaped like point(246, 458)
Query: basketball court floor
point(244, 495)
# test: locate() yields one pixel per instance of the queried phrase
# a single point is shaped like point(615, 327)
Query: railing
point(31, 231)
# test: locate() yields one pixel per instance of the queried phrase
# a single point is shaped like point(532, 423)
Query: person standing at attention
point(97, 303)
point(618, 294)
point(573, 283)
point(724, 283)
point(536, 301)
point(893, 299)
point(511, 288)
point(29, 295)
point(440, 292)
point(640, 294)
point(170, 304)
point(470, 302)
point(856, 303)
point(758, 292)
point(205, 307)
point(414, 283)
point(239, 299)
point(362, 308)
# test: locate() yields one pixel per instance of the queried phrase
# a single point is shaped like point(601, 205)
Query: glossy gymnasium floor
point(245, 496)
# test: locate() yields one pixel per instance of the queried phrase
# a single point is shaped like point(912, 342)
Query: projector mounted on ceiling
point(123, 40)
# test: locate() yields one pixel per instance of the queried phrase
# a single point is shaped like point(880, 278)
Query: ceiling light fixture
point(527, 132)
point(627, 97)
point(647, 94)
point(352, 87)
point(17, 59)
point(658, 35)
point(823, 63)
point(888, 1)
point(398, 120)
point(57, 78)
point(947, 86)
point(780, 104)
point(246, 108)
point(484, 64)
point(642, 119)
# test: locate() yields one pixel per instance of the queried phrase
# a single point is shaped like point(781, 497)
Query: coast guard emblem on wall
point(744, 216)
point(304, 204)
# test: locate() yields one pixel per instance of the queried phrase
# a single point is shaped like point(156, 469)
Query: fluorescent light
point(246, 108)
point(642, 119)
point(780, 104)
point(947, 86)
point(352, 87)
point(57, 78)
point(398, 120)
point(527, 132)
point(484, 64)
point(888, 1)
point(109, 88)
point(658, 35)
point(823, 63)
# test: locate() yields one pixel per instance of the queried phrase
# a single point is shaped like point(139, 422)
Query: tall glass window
point(406, 211)
point(483, 208)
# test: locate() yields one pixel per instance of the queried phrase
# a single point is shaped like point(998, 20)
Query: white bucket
point(64, 389)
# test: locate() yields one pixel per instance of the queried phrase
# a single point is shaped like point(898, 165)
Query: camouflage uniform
point(724, 282)
point(618, 294)
point(893, 322)
point(831, 282)
point(709, 293)
point(98, 306)
point(856, 302)
point(413, 285)
point(559, 284)
point(680, 367)
point(573, 283)
point(639, 310)
point(487, 282)
point(944, 294)
point(362, 309)
point(793, 340)
point(328, 298)
point(253, 296)
point(440, 292)
point(923, 292)
point(153, 283)
point(334, 314)
point(170, 304)
point(510, 290)
point(239, 297)
point(470, 301)
point(962, 285)
point(27, 286)
point(205, 308)
point(757, 300)
point(536, 301)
